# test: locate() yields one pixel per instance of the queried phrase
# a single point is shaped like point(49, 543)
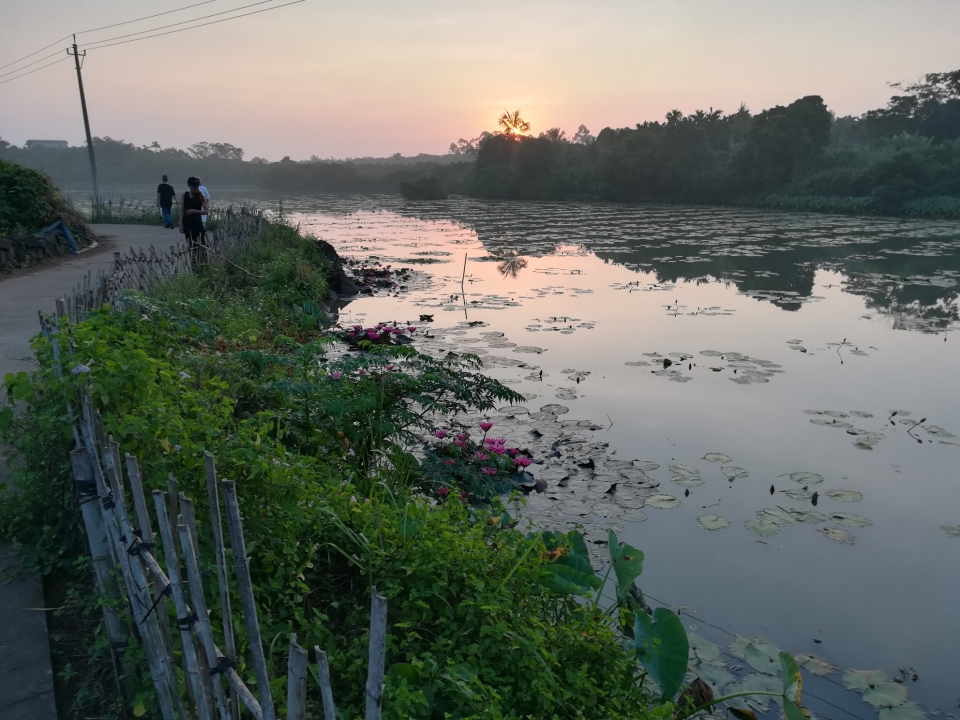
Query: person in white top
point(203, 191)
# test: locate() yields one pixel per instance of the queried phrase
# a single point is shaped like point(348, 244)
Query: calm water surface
point(792, 340)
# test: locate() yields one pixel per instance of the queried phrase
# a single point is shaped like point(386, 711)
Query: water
point(797, 314)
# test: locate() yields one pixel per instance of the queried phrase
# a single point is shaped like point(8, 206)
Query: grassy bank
point(485, 620)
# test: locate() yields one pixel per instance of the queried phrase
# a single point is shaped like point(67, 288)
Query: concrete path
point(26, 678)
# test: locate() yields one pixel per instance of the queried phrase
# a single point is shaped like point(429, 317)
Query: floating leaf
point(716, 457)
point(762, 527)
point(555, 409)
point(850, 520)
point(688, 481)
point(844, 495)
point(634, 516)
point(713, 522)
point(776, 515)
point(907, 711)
point(798, 494)
point(678, 469)
point(806, 515)
point(885, 694)
point(763, 657)
point(663, 502)
point(733, 473)
point(645, 465)
point(815, 665)
point(662, 648)
point(837, 535)
point(860, 414)
point(806, 478)
point(702, 650)
point(951, 530)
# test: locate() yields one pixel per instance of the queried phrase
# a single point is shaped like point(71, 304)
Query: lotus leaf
point(906, 711)
point(815, 665)
point(716, 457)
point(806, 515)
point(663, 502)
point(762, 527)
point(951, 530)
point(713, 522)
point(837, 535)
point(844, 495)
point(806, 478)
point(850, 520)
point(885, 694)
point(776, 515)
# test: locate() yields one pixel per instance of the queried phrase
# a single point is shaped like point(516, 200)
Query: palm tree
point(513, 124)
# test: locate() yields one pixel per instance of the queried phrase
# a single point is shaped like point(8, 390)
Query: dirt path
point(26, 678)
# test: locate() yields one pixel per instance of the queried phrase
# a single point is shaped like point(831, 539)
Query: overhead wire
point(4, 82)
point(214, 22)
point(104, 27)
point(24, 67)
point(184, 22)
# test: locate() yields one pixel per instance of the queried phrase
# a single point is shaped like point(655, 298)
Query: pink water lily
point(522, 462)
point(480, 455)
point(361, 371)
point(440, 434)
point(488, 470)
point(443, 492)
point(336, 374)
point(485, 426)
point(411, 328)
point(459, 443)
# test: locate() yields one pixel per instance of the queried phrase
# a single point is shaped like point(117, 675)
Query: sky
point(339, 78)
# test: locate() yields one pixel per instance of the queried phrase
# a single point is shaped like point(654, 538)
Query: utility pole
point(86, 120)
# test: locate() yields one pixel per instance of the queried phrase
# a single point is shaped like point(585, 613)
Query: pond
point(768, 405)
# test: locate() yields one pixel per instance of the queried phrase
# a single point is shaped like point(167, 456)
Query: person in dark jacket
point(194, 207)
point(166, 196)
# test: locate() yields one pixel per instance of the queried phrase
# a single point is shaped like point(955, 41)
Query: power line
point(104, 27)
point(65, 37)
point(147, 17)
point(4, 82)
point(11, 72)
point(171, 32)
point(92, 43)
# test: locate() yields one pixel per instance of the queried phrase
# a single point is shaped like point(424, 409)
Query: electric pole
point(86, 120)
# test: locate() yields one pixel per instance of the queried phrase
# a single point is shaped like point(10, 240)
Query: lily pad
point(844, 495)
point(906, 711)
point(702, 650)
point(645, 465)
point(815, 665)
point(716, 457)
point(762, 527)
point(663, 502)
point(850, 520)
point(807, 515)
point(886, 695)
point(634, 515)
point(860, 414)
point(555, 409)
point(806, 478)
point(678, 469)
point(733, 472)
point(713, 522)
point(776, 515)
point(951, 530)
point(861, 680)
point(688, 481)
point(799, 494)
point(837, 535)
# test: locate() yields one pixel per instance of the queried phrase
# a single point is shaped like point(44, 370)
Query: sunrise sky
point(372, 77)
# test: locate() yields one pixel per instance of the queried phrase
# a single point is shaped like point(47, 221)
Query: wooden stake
point(241, 567)
point(202, 688)
point(226, 612)
point(296, 681)
point(377, 654)
point(326, 692)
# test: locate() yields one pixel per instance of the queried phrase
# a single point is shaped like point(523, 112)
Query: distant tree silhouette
point(555, 134)
point(513, 124)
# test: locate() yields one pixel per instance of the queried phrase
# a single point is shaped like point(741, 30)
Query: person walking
point(205, 194)
point(195, 207)
point(166, 196)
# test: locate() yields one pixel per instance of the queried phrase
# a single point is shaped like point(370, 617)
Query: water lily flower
point(459, 443)
point(462, 437)
point(389, 367)
point(514, 452)
point(440, 434)
point(480, 455)
point(488, 470)
point(499, 449)
point(449, 461)
point(336, 374)
point(361, 371)
point(358, 328)
point(411, 328)
point(443, 492)
point(485, 426)
point(522, 462)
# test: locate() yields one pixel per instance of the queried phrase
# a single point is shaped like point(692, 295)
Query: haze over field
point(372, 78)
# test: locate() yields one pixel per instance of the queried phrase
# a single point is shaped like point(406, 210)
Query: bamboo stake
point(377, 654)
point(326, 692)
point(201, 687)
point(226, 612)
point(173, 510)
point(296, 681)
point(189, 519)
point(241, 567)
point(206, 632)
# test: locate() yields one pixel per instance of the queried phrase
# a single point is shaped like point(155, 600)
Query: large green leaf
point(571, 573)
point(662, 648)
point(792, 689)
point(627, 564)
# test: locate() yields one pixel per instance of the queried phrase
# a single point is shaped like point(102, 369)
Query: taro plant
point(656, 636)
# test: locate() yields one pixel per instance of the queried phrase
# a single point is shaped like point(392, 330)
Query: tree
point(464, 147)
point(555, 134)
point(582, 136)
point(513, 124)
point(216, 151)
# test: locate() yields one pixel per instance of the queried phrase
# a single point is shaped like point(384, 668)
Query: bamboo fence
point(152, 592)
